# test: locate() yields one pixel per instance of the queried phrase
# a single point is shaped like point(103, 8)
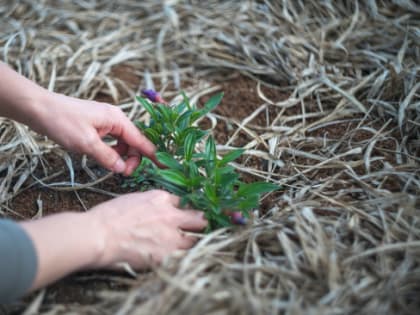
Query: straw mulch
point(344, 235)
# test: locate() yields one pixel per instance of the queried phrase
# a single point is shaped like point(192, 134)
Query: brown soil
point(239, 102)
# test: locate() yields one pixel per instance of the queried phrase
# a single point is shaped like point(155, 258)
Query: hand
point(80, 125)
point(139, 228)
point(76, 124)
point(143, 228)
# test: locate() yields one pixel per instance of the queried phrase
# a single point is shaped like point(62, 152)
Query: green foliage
point(204, 181)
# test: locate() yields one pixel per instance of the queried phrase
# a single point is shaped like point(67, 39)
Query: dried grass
point(344, 237)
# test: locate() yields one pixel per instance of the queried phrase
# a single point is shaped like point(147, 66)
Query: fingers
point(186, 239)
point(191, 220)
point(133, 156)
point(106, 156)
point(131, 164)
point(128, 133)
point(121, 148)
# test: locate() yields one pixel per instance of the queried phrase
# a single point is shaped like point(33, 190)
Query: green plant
point(202, 179)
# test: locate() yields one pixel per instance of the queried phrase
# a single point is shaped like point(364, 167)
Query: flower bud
point(238, 218)
point(153, 96)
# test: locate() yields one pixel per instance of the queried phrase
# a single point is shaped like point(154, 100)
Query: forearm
point(64, 243)
point(20, 98)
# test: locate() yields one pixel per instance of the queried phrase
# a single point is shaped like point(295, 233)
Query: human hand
point(79, 125)
point(141, 229)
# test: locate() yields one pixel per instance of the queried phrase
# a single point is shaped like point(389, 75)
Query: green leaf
point(152, 135)
point(148, 107)
point(168, 160)
point(256, 188)
point(213, 102)
point(174, 176)
point(145, 163)
point(208, 106)
point(165, 112)
point(195, 182)
point(231, 156)
point(196, 115)
point(170, 187)
point(186, 99)
point(228, 203)
point(180, 107)
point(249, 203)
point(210, 192)
point(222, 221)
point(141, 125)
point(226, 180)
point(198, 201)
point(183, 120)
point(210, 149)
point(192, 169)
point(198, 133)
point(189, 146)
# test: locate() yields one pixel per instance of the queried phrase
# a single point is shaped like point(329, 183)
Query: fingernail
point(119, 166)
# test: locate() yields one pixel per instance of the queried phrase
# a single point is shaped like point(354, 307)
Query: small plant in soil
point(203, 180)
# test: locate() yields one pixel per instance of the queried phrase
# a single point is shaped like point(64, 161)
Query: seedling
point(202, 179)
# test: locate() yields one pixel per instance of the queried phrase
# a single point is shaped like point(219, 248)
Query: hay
point(344, 237)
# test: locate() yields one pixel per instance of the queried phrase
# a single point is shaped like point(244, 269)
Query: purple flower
point(238, 218)
point(151, 95)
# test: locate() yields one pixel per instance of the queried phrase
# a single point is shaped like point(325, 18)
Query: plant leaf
point(213, 102)
point(210, 192)
point(186, 100)
point(148, 107)
point(152, 135)
point(183, 120)
point(174, 176)
point(256, 188)
point(210, 149)
point(168, 160)
point(222, 220)
point(233, 155)
point(189, 145)
point(170, 187)
point(249, 203)
point(141, 125)
point(166, 113)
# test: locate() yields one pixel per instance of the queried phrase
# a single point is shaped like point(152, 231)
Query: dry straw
point(344, 236)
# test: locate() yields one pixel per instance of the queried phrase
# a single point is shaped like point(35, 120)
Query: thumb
point(107, 156)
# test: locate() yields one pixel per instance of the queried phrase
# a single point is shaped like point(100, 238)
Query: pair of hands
point(138, 228)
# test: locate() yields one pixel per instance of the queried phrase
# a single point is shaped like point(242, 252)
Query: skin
point(139, 228)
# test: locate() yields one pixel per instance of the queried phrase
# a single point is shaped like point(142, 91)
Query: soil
point(240, 100)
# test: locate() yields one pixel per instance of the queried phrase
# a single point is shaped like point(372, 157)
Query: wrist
point(71, 232)
point(94, 240)
point(98, 239)
point(34, 109)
